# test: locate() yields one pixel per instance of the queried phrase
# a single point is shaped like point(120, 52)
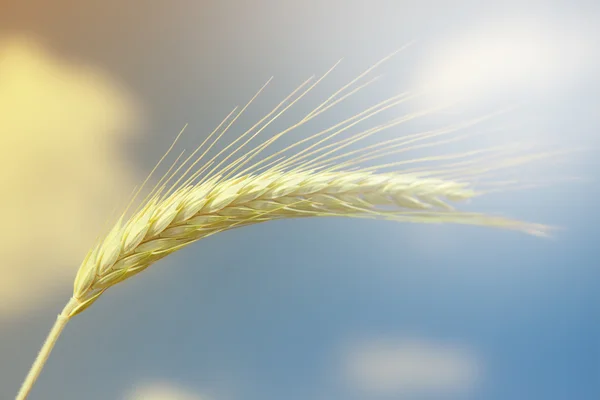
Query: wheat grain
point(324, 179)
point(195, 212)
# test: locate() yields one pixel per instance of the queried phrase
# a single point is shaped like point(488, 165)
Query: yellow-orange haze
point(62, 168)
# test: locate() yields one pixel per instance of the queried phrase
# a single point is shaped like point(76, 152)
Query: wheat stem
point(42, 357)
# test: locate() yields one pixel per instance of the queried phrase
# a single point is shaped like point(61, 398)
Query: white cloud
point(61, 167)
point(531, 55)
point(409, 366)
point(162, 391)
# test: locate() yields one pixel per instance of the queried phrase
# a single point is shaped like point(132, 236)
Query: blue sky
point(328, 308)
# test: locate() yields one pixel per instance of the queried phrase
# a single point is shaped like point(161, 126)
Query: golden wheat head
point(320, 176)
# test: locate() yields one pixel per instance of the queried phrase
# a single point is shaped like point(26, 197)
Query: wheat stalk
point(323, 179)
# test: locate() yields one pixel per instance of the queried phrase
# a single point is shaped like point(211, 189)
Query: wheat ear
point(322, 179)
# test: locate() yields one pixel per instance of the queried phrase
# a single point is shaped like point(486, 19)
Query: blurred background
point(92, 94)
